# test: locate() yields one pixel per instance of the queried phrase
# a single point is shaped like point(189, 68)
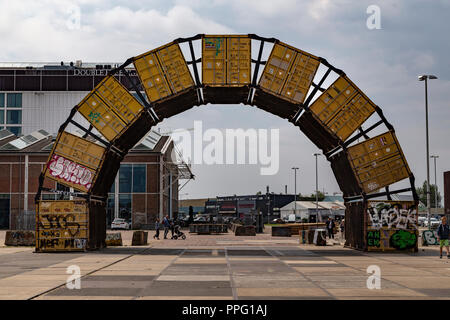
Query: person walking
point(156, 236)
point(330, 228)
point(342, 225)
point(443, 234)
point(166, 224)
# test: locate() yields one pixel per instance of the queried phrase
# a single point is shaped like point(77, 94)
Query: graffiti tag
point(391, 216)
point(402, 239)
point(69, 171)
point(429, 237)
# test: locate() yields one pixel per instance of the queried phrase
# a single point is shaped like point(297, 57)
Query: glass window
point(48, 196)
point(14, 100)
point(113, 187)
point(2, 100)
point(139, 177)
point(2, 117)
point(125, 206)
point(125, 178)
point(16, 130)
point(14, 117)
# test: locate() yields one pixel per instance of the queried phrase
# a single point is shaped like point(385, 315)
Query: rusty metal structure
point(113, 121)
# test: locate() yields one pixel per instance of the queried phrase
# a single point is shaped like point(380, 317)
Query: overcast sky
point(384, 63)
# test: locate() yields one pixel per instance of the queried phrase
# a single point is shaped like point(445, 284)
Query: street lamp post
point(295, 189)
point(435, 181)
point(317, 188)
point(425, 78)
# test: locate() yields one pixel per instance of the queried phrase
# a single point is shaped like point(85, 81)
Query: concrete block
point(113, 239)
point(20, 238)
point(139, 238)
point(278, 231)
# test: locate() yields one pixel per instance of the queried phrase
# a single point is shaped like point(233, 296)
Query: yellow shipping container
point(163, 72)
point(226, 60)
point(289, 73)
point(343, 107)
point(74, 161)
point(62, 225)
point(110, 108)
point(378, 162)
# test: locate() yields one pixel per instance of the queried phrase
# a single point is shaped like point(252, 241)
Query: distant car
point(277, 220)
point(119, 223)
point(434, 222)
point(422, 220)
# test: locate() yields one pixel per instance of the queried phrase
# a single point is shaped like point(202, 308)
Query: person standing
point(443, 234)
point(342, 225)
point(330, 228)
point(156, 236)
point(166, 224)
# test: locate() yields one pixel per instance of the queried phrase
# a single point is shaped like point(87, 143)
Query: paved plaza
point(222, 267)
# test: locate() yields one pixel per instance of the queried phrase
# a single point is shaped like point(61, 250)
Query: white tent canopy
point(305, 208)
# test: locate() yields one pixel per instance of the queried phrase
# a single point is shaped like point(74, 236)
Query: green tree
point(259, 193)
point(421, 192)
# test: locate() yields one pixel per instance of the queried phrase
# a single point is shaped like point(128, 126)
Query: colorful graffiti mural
point(391, 225)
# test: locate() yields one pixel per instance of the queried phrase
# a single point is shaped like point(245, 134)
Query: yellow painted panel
point(300, 77)
point(214, 60)
point(110, 108)
point(378, 162)
point(343, 107)
point(163, 72)
point(175, 68)
point(99, 114)
point(226, 60)
point(62, 225)
point(238, 60)
point(119, 99)
point(80, 150)
point(289, 73)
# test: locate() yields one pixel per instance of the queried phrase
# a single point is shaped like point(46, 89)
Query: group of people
point(167, 224)
point(330, 224)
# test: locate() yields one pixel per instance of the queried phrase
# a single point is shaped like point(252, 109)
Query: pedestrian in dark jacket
point(330, 228)
point(157, 226)
point(443, 233)
point(166, 224)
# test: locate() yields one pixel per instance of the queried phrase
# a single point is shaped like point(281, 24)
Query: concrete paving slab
point(388, 292)
point(421, 282)
point(59, 297)
point(193, 278)
point(265, 283)
point(118, 291)
point(113, 284)
point(282, 292)
point(185, 298)
point(327, 270)
point(193, 288)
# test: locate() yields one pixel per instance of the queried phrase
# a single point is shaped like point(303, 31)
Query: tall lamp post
point(295, 189)
point(435, 182)
point(317, 188)
point(425, 78)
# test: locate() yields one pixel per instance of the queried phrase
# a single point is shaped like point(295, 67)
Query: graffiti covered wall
point(391, 225)
point(62, 225)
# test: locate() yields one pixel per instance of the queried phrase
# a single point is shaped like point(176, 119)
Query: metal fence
point(26, 220)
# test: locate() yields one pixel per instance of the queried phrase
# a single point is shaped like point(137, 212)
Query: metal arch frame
point(341, 146)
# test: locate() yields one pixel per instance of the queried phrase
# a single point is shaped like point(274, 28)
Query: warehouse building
point(145, 187)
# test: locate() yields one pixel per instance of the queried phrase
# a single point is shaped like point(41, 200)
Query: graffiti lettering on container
point(373, 238)
point(53, 234)
point(402, 239)
point(94, 116)
point(392, 216)
point(58, 221)
point(69, 171)
point(429, 237)
point(56, 243)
